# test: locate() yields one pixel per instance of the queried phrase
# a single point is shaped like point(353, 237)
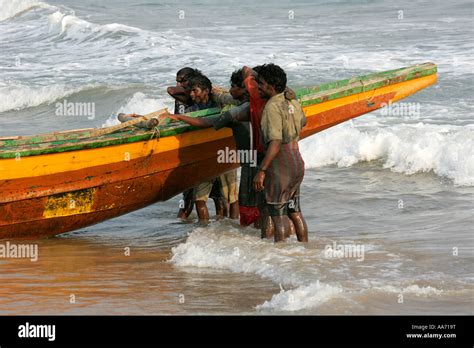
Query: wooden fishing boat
point(59, 182)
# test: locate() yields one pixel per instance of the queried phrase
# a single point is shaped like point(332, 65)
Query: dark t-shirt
point(196, 107)
point(240, 131)
point(247, 196)
point(179, 108)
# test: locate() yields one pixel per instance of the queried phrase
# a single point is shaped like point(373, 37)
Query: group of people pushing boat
point(266, 118)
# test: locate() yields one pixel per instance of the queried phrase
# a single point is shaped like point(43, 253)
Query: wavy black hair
point(185, 71)
point(273, 75)
point(188, 73)
point(199, 80)
point(237, 79)
point(257, 68)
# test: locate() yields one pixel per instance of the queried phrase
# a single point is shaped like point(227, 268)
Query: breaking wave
point(75, 27)
point(13, 8)
point(16, 97)
point(445, 150)
point(139, 104)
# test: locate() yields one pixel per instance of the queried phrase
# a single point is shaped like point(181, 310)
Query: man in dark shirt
point(184, 102)
point(200, 91)
point(180, 92)
point(247, 203)
point(181, 95)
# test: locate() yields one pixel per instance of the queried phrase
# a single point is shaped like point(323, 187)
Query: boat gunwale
point(361, 84)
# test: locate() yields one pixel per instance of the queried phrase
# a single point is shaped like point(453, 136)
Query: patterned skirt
point(284, 175)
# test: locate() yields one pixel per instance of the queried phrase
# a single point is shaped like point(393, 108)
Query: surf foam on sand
point(307, 279)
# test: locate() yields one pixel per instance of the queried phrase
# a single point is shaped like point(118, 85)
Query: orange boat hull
point(49, 197)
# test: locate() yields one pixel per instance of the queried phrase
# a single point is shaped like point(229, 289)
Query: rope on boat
point(369, 100)
point(156, 129)
point(83, 134)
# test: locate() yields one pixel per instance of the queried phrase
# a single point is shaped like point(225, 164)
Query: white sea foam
point(16, 97)
point(230, 249)
point(138, 104)
point(298, 269)
point(316, 294)
point(76, 27)
point(446, 150)
point(59, 20)
point(12, 8)
point(411, 289)
point(303, 297)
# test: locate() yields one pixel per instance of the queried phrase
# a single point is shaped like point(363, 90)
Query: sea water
point(388, 197)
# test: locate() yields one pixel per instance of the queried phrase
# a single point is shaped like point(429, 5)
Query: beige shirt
point(282, 119)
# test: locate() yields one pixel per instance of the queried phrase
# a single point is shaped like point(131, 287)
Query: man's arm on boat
point(231, 116)
point(200, 122)
point(238, 113)
point(235, 114)
point(241, 113)
point(179, 93)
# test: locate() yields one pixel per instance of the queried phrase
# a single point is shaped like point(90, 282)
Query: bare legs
point(186, 210)
point(266, 223)
point(225, 210)
point(221, 208)
point(282, 227)
point(234, 210)
point(202, 211)
point(291, 229)
point(268, 227)
point(300, 226)
point(280, 222)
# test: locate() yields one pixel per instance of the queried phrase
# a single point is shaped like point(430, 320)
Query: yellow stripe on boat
point(74, 160)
